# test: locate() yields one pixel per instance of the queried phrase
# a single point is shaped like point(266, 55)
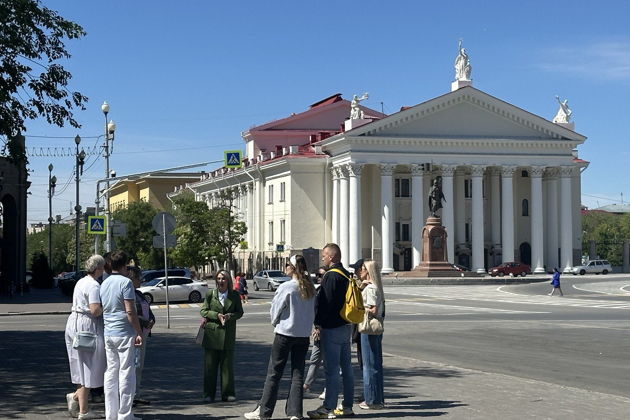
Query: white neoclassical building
point(511, 182)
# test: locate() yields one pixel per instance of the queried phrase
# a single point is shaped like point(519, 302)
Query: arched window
point(524, 174)
point(525, 206)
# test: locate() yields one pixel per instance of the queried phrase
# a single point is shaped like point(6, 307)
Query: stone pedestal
point(457, 84)
point(352, 124)
point(569, 125)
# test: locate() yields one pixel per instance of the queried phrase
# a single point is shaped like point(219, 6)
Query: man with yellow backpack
point(337, 308)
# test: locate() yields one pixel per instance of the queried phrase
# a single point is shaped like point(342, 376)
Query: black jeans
point(283, 346)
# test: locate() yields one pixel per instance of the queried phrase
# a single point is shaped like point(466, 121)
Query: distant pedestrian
point(292, 314)
point(243, 287)
point(221, 308)
point(122, 335)
point(86, 367)
point(555, 282)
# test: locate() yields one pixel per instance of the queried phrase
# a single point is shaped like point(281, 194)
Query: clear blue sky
point(184, 79)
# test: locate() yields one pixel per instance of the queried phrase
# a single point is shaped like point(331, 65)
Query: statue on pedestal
point(356, 112)
point(436, 196)
point(463, 69)
point(564, 112)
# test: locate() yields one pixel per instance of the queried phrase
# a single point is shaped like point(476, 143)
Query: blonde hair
point(374, 271)
point(305, 285)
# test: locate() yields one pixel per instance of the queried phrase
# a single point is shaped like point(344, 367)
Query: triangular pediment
point(466, 113)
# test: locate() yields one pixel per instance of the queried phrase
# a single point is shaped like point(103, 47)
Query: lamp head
point(77, 140)
point(50, 167)
point(111, 127)
point(112, 174)
point(105, 108)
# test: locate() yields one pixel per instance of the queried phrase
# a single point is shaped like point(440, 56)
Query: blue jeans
point(335, 343)
point(372, 352)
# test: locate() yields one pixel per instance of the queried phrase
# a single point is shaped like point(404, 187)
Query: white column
point(495, 206)
point(335, 204)
point(537, 226)
point(460, 208)
point(507, 213)
point(566, 221)
point(250, 215)
point(551, 222)
point(387, 217)
point(417, 212)
point(448, 211)
point(344, 231)
point(355, 251)
point(477, 220)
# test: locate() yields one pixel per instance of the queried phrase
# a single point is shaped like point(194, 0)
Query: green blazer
point(217, 336)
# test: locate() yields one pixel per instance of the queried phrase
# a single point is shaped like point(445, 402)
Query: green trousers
point(213, 359)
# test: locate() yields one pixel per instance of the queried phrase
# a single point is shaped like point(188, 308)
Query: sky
point(184, 79)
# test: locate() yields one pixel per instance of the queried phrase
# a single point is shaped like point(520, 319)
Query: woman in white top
point(292, 315)
point(87, 368)
point(371, 345)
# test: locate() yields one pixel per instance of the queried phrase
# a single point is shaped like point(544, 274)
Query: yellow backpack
point(352, 310)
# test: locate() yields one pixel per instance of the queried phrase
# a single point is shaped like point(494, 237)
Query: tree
point(194, 225)
point(42, 276)
point(62, 235)
point(32, 40)
point(227, 232)
point(608, 231)
point(138, 243)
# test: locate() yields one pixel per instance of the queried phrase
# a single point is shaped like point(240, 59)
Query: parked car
point(179, 288)
point(592, 266)
point(148, 275)
point(510, 268)
point(269, 279)
point(67, 281)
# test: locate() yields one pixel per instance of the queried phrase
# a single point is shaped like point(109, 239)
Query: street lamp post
point(110, 128)
point(52, 183)
point(80, 159)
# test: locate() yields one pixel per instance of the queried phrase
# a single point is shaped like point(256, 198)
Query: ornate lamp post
point(52, 183)
point(80, 159)
point(110, 128)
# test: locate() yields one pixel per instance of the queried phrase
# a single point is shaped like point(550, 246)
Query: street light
point(80, 159)
point(110, 128)
point(52, 183)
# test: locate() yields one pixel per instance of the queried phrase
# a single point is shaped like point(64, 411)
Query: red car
point(511, 268)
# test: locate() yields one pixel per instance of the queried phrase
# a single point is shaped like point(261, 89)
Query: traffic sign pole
point(168, 306)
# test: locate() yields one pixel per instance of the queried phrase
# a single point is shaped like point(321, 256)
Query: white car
point(593, 267)
point(179, 288)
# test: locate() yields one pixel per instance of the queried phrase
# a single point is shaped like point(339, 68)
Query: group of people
point(298, 313)
point(106, 335)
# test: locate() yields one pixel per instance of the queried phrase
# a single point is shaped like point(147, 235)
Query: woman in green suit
point(221, 308)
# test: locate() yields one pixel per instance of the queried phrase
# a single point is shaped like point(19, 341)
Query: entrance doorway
point(525, 251)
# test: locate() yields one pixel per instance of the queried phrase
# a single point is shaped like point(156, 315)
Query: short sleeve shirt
point(114, 291)
point(86, 291)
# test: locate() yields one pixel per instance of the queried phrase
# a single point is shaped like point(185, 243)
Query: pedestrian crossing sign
point(233, 158)
point(97, 225)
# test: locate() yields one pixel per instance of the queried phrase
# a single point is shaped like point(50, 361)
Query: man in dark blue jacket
point(335, 334)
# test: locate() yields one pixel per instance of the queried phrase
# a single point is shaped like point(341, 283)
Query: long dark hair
point(305, 285)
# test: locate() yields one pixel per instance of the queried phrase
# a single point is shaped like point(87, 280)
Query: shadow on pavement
point(35, 378)
point(36, 296)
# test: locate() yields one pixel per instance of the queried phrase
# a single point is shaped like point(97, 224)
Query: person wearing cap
point(292, 314)
point(356, 336)
point(335, 333)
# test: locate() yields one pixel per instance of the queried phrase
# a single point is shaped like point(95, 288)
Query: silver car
point(179, 288)
point(269, 279)
point(592, 267)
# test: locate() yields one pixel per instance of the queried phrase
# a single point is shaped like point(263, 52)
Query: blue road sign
point(97, 225)
point(233, 158)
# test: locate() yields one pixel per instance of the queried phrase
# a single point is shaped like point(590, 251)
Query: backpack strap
point(336, 270)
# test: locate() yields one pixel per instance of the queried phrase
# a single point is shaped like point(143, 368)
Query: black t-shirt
point(330, 298)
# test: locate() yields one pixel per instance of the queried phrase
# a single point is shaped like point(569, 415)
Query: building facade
point(511, 182)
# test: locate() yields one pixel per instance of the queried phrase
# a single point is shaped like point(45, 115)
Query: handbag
point(371, 325)
point(200, 332)
point(83, 340)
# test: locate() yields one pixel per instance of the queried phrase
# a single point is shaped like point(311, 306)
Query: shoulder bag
point(83, 340)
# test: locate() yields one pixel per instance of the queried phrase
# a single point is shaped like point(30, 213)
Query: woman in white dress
point(87, 368)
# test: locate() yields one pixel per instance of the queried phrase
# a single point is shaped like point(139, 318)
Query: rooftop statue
point(462, 64)
point(564, 112)
point(436, 196)
point(355, 111)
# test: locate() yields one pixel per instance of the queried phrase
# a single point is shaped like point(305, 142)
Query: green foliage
point(86, 248)
point(194, 224)
point(33, 82)
point(227, 232)
point(138, 243)
point(61, 235)
point(608, 230)
point(42, 276)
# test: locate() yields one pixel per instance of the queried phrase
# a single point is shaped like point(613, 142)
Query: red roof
point(329, 100)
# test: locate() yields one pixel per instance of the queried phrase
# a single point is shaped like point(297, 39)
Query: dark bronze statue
point(436, 196)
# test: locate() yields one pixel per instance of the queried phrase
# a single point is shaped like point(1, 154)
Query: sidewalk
point(34, 375)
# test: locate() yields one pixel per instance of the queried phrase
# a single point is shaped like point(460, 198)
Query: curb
point(36, 313)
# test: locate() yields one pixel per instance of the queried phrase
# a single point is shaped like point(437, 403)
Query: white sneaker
point(90, 415)
point(253, 415)
point(73, 405)
point(322, 396)
point(294, 418)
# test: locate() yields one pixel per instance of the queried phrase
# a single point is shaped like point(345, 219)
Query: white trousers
point(120, 377)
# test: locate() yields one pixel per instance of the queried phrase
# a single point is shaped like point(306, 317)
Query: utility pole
point(52, 183)
point(80, 159)
point(110, 128)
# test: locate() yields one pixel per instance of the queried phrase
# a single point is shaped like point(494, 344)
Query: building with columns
point(511, 182)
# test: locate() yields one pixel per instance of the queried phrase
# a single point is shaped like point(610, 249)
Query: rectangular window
point(397, 231)
point(282, 230)
point(467, 232)
point(282, 191)
point(270, 233)
point(405, 232)
point(402, 187)
point(468, 188)
point(270, 194)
